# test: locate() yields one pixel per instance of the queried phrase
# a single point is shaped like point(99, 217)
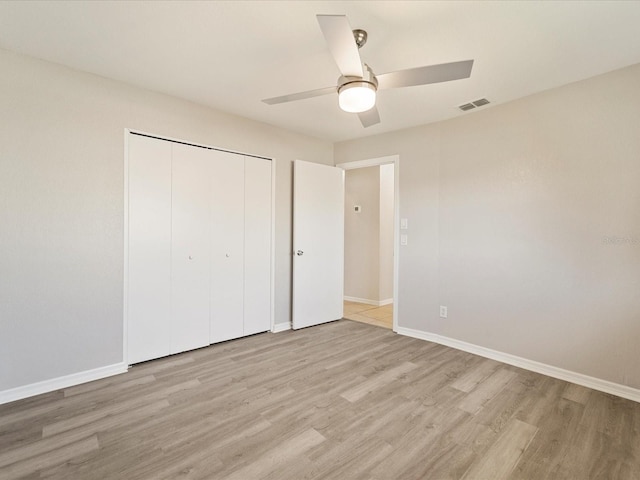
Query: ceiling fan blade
point(370, 117)
point(342, 45)
point(299, 96)
point(443, 72)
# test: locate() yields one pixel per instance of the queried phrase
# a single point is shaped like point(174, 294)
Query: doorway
point(371, 243)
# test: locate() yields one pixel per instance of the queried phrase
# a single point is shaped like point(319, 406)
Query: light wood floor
point(343, 400)
point(361, 312)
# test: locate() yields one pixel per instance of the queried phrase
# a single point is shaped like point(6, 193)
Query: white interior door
point(227, 247)
point(190, 229)
point(149, 243)
point(318, 243)
point(257, 245)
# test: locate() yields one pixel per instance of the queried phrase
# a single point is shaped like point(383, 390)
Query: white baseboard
point(377, 303)
point(46, 386)
point(281, 327)
point(549, 370)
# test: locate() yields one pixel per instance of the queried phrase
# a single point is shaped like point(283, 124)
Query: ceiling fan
point(357, 86)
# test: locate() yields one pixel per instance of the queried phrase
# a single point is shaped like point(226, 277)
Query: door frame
point(374, 162)
point(125, 296)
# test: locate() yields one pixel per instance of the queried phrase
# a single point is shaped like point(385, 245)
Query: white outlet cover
point(443, 312)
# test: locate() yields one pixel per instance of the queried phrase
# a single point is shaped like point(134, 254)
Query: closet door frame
point(125, 297)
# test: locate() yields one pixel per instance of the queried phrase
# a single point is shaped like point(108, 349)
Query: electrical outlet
point(443, 312)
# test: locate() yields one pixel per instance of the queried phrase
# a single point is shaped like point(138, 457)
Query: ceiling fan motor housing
point(357, 94)
point(368, 78)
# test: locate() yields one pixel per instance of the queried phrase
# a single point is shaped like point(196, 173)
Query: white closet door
point(257, 246)
point(190, 255)
point(149, 267)
point(227, 246)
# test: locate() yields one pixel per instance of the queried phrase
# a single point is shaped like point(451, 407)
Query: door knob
point(299, 253)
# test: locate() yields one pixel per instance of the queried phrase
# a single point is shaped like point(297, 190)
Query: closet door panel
point(149, 249)
point(190, 255)
point(227, 246)
point(257, 258)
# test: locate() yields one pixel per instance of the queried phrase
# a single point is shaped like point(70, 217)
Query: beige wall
point(524, 222)
point(61, 208)
point(362, 233)
point(523, 218)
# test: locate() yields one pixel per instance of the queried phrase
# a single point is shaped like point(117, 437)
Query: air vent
point(471, 105)
point(481, 102)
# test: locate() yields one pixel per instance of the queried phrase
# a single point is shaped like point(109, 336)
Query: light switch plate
point(404, 224)
point(403, 239)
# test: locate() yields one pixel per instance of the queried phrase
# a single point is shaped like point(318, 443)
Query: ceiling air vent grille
point(471, 105)
point(481, 102)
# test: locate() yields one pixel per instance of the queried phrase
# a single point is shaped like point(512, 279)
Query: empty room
point(319, 240)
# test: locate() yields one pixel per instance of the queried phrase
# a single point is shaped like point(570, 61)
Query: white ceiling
point(231, 54)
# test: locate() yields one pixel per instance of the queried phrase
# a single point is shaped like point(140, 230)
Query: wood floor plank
point(486, 390)
point(343, 400)
point(548, 450)
point(58, 455)
point(499, 460)
point(114, 387)
point(359, 391)
point(105, 420)
point(577, 393)
point(476, 375)
point(279, 455)
point(353, 458)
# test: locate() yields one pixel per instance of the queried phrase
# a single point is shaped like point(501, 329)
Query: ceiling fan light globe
point(357, 97)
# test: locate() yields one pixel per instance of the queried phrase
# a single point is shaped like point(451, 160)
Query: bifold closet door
point(227, 246)
point(149, 242)
point(190, 253)
point(199, 247)
point(257, 247)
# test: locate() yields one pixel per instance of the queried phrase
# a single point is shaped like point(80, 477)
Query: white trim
point(273, 245)
point(53, 384)
point(377, 303)
point(366, 301)
point(125, 229)
point(281, 327)
point(372, 162)
point(396, 238)
point(549, 370)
